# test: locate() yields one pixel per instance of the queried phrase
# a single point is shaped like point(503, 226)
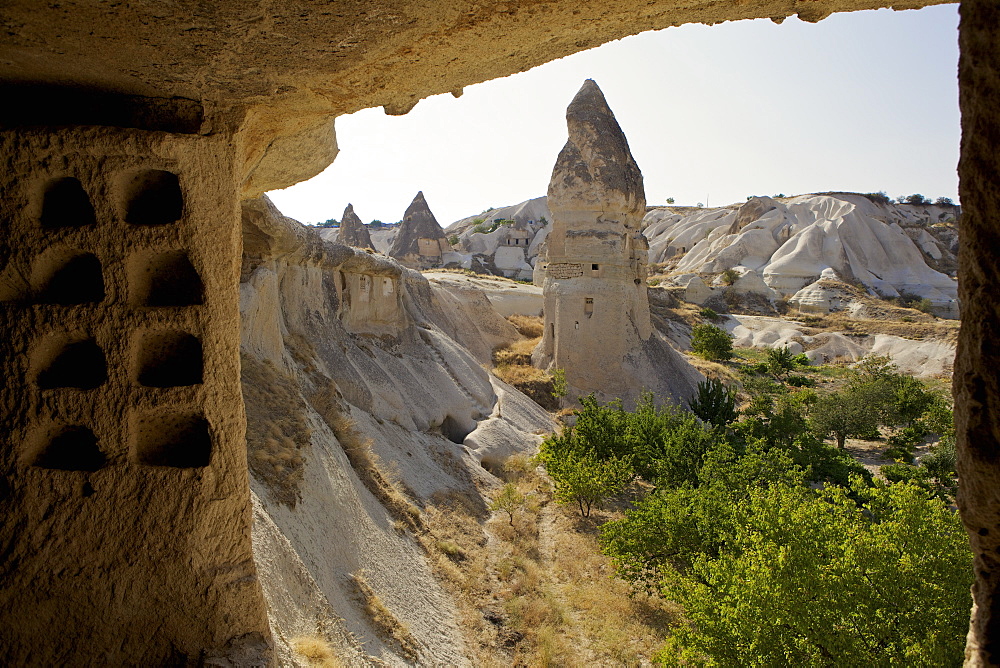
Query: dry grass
point(535, 383)
point(540, 592)
point(386, 624)
point(518, 353)
point(711, 369)
point(529, 326)
point(317, 651)
point(277, 432)
point(923, 327)
point(378, 479)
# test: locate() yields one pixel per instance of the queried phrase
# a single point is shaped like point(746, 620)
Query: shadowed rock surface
point(352, 231)
point(420, 242)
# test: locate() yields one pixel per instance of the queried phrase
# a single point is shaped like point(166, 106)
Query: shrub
point(800, 381)
point(944, 201)
point(453, 240)
point(583, 479)
point(780, 361)
point(711, 342)
point(715, 403)
point(729, 276)
point(509, 500)
point(709, 314)
point(879, 198)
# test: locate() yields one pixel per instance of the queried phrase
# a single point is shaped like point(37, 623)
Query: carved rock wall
point(123, 476)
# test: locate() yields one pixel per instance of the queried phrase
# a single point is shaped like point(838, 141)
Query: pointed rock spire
point(595, 170)
point(352, 231)
point(420, 239)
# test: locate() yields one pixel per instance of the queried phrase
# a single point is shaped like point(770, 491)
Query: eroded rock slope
point(343, 351)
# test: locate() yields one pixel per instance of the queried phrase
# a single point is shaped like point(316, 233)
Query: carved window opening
point(177, 440)
point(170, 359)
point(70, 449)
point(365, 285)
point(387, 288)
point(168, 279)
point(70, 279)
point(78, 364)
point(66, 204)
point(595, 267)
point(588, 307)
point(154, 198)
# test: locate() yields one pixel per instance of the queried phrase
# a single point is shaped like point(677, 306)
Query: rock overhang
point(278, 73)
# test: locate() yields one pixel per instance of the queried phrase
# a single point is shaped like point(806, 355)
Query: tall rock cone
point(420, 242)
point(597, 326)
point(352, 231)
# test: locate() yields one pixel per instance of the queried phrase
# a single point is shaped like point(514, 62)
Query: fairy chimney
point(420, 243)
point(352, 231)
point(597, 325)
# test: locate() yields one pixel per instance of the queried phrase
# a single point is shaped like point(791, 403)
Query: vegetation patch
point(317, 651)
point(365, 462)
point(528, 326)
point(386, 624)
point(778, 548)
point(277, 431)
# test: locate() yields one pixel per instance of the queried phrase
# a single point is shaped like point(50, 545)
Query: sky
point(862, 101)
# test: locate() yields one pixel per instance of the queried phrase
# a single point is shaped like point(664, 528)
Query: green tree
point(715, 403)
point(585, 480)
point(805, 578)
point(509, 500)
point(559, 386)
point(780, 361)
point(843, 414)
point(711, 342)
point(453, 240)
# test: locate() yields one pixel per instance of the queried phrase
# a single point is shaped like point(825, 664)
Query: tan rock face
point(597, 325)
point(124, 473)
point(976, 384)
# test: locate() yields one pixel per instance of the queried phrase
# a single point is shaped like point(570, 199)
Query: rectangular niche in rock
point(66, 448)
point(165, 278)
point(60, 362)
point(178, 440)
point(66, 204)
point(67, 277)
point(153, 197)
point(169, 358)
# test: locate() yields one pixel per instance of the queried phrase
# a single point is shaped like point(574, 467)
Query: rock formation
point(597, 325)
point(790, 243)
point(235, 104)
point(333, 335)
point(420, 242)
point(352, 231)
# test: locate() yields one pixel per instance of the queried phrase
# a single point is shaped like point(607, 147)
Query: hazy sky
point(864, 101)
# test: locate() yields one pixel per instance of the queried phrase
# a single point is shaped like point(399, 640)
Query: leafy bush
point(709, 314)
point(711, 342)
point(800, 381)
point(509, 500)
point(944, 201)
point(453, 240)
point(879, 198)
point(582, 478)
